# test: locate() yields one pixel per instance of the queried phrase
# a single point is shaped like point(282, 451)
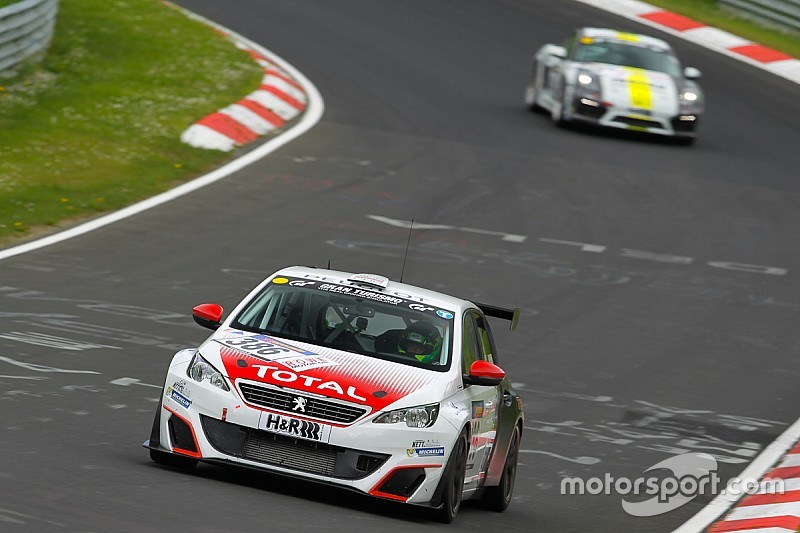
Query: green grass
point(96, 124)
point(712, 13)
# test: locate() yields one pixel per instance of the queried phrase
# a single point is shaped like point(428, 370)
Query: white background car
point(619, 80)
point(352, 380)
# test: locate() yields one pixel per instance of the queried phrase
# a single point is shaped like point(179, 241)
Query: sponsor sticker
point(307, 362)
point(447, 315)
point(179, 393)
point(280, 281)
point(294, 427)
point(477, 409)
point(433, 451)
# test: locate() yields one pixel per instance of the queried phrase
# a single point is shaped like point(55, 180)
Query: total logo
point(284, 376)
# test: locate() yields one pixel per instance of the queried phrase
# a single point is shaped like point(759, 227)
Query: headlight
point(415, 417)
point(689, 96)
point(588, 84)
point(200, 370)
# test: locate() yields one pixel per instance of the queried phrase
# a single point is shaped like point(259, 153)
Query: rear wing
point(501, 312)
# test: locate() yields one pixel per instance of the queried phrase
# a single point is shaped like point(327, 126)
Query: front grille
point(639, 122)
point(287, 452)
point(295, 454)
point(281, 400)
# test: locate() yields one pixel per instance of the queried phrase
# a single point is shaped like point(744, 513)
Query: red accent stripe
point(262, 112)
point(763, 499)
point(787, 472)
point(788, 522)
point(256, 55)
point(760, 53)
point(287, 79)
point(375, 492)
point(794, 450)
point(672, 20)
point(283, 96)
point(229, 127)
point(197, 454)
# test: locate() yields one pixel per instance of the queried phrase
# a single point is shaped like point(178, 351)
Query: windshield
point(352, 319)
point(629, 55)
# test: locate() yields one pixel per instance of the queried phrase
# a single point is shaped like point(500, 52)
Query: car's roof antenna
point(329, 264)
point(410, 229)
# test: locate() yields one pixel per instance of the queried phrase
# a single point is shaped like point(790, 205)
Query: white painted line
point(756, 470)
point(125, 382)
point(312, 115)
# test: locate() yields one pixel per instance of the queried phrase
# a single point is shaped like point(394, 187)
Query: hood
point(637, 89)
point(318, 370)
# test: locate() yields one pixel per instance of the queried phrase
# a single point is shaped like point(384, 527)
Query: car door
point(482, 401)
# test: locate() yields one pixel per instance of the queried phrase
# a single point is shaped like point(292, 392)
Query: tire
point(498, 498)
point(557, 112)
point(453, 482)
point(175, 461)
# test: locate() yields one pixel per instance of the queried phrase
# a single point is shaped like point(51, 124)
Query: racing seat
point(387, 341)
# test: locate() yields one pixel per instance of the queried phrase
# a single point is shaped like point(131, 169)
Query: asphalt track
point(653, 341)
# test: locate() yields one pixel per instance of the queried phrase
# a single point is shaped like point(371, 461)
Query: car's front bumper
point(592, 111)
point(384, 460)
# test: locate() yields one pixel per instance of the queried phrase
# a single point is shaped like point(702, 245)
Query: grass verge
point(96, 124)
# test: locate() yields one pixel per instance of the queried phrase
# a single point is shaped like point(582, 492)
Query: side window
point(470, 351)
point(485, 339)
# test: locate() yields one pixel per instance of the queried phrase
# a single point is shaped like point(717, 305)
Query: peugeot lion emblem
point(299, 404)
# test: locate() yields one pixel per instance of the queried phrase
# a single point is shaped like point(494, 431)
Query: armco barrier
point(25, 29)
point(785, 13)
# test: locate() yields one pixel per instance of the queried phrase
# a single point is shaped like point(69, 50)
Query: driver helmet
point(422, 340)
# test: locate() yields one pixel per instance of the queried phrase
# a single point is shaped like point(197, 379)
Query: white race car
point(616, 79)
point(353, 380)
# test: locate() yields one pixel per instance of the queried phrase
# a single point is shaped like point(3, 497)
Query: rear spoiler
point(501, 312)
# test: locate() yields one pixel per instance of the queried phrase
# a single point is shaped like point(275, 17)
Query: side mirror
point(558, 51)
point(484, 373)
point(691, 73)
point(208, 315)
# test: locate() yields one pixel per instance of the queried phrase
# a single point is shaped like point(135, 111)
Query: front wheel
point(530, 91)
point(557, 111)
point(498, 498)
point(453, 482)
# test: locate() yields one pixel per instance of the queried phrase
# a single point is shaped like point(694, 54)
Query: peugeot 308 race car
point(353, 380)
point(619, 80)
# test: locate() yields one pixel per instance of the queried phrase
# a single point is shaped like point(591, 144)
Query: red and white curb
point(279, 100)
point(766, 511)
point(314, 109)
point(706, 36)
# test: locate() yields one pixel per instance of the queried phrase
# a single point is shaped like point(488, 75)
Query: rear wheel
point(498, 498)
point(453, 482)
point(170, 459)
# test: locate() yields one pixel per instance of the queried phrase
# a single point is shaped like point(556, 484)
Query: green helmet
point(423, 340)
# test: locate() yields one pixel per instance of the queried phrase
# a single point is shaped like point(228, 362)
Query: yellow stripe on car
point(639, 89)
point(623, 36)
